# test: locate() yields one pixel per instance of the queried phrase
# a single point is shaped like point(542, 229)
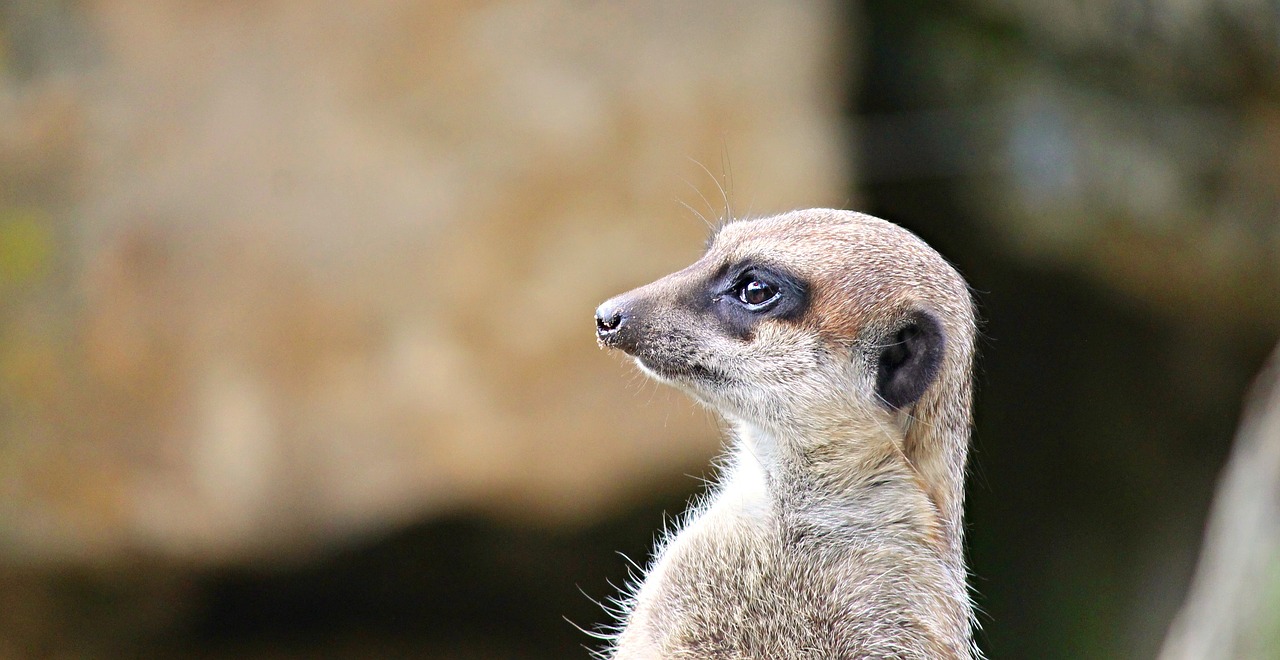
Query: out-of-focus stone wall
point(283, 271)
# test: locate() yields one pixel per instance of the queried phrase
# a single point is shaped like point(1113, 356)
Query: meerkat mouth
point(678, 371)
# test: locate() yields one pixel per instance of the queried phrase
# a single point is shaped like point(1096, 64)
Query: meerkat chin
point(839, 347)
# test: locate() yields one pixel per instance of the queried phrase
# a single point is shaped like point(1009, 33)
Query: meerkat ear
point(910, 360)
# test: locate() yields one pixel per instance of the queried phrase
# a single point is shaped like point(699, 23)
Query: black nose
point(609, 320)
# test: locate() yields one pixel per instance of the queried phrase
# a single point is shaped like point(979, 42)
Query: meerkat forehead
point(825, 242)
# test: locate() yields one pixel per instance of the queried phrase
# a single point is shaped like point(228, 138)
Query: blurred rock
point(318, 268)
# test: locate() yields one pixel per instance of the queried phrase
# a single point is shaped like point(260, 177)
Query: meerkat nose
point(609, 320)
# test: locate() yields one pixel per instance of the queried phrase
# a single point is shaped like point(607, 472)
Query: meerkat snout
point(839, 347)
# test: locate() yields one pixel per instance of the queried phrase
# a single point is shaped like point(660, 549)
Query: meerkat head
point(815, 317)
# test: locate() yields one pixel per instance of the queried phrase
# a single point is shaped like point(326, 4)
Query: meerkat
point(839, 348)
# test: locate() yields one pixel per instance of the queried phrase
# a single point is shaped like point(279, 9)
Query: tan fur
point(835, 530)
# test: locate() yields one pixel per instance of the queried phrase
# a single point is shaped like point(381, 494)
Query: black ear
point(910, 360)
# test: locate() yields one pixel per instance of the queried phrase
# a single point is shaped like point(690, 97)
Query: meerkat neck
point(782, 448)
point(861, 477)
point(936, 444)
point(826, 463)
point(830, 463)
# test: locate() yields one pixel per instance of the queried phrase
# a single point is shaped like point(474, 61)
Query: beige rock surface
point(301, 269)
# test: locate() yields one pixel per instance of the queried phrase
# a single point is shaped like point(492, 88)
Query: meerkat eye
point(756, 293)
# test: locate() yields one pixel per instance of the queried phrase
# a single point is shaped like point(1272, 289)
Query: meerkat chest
point(742, 581)
point(728, 586)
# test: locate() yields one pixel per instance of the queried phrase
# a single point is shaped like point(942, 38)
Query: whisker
point(728, 208)
point(726, 166)
point(710, 208)
point(703, 218)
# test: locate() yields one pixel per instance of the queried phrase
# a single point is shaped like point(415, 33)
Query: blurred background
point(296, 351)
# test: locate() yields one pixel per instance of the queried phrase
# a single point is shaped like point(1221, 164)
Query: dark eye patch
point(741, 295)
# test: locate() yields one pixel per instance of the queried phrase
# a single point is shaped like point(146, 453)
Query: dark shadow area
point(1101, 426)
point(460, 587)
